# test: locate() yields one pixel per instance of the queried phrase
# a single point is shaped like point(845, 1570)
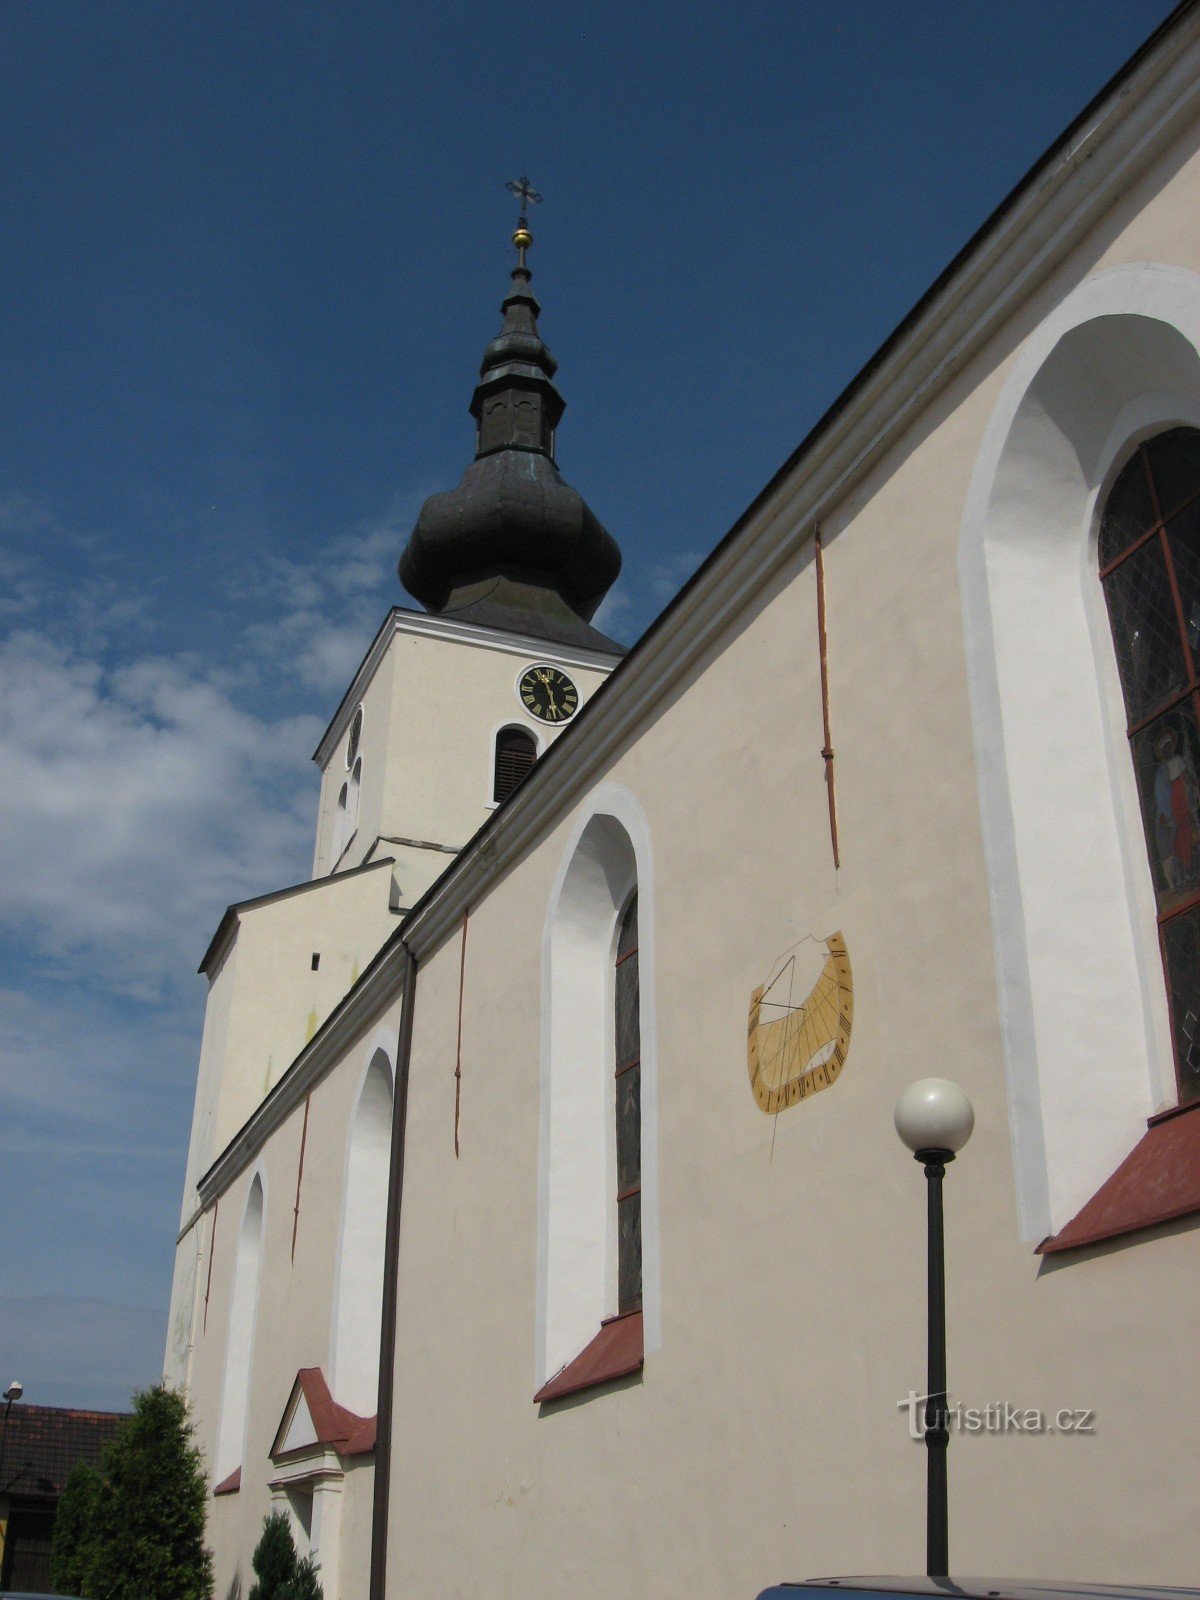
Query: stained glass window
point(628, 1041)
point(1150, 566)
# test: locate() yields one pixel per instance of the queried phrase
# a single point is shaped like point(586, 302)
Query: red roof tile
point(43, 1443)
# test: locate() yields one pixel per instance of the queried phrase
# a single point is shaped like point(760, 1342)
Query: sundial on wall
point(799, 1027)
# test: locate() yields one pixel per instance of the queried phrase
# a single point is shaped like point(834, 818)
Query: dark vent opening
point(516, 751)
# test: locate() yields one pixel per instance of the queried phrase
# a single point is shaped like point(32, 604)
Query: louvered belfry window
point(629, 1114)
point(1150, 566)
point(516, 751)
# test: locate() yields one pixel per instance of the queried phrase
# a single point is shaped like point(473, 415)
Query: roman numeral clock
point(548, 694)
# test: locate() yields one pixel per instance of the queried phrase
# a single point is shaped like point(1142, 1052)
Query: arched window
point(628, 1042)
point(239, 1345)
point(1149, 552)
point(516, 752)
point(359, 1298)
point(598, 1241)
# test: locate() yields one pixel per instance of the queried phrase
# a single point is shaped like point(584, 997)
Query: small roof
point(231, 913)
point(43, 1443)
point(312, 1420)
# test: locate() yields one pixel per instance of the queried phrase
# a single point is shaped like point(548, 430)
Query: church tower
point(452, 706)
point(447, 713)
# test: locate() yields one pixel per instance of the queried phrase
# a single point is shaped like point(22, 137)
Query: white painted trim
point(225, 1458)
point(541, 739)
point(382, 1043)
point(1079, 977)
point(528, 646)
point(576, 1283)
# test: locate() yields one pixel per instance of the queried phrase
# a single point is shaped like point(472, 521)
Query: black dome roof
point(513, 517)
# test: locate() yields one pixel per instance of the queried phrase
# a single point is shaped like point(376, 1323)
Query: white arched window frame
point(239, 1341)
point(358, 1296)
point(1083, 1004)
point(608, 857)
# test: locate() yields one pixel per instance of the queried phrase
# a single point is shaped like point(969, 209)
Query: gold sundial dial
point(797, 1046)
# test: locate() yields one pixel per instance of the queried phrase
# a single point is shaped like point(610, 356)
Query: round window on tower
point(355, 736)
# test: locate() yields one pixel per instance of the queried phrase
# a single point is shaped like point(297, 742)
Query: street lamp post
point(14, 1392)
point(934, 1119)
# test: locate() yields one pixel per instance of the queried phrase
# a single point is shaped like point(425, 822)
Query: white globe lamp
point(934, 1114)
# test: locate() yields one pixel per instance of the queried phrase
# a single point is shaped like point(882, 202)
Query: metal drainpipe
point(391, 1265)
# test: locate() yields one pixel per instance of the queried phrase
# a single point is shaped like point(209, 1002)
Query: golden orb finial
point(522, 237)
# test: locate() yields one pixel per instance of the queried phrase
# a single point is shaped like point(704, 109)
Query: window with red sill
point(1149, 552)
point(1149, 555)
point(617, 1349)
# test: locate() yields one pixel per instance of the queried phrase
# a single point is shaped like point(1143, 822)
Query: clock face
point(548, 694)
point(797, 1047)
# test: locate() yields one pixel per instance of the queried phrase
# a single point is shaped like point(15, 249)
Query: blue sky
point(250, 258)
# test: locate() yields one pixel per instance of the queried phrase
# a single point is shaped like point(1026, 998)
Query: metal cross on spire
point(526, 197)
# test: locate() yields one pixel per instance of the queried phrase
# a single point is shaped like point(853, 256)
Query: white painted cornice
point(526, 647)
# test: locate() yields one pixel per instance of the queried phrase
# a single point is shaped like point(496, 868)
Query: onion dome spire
point(514, 546)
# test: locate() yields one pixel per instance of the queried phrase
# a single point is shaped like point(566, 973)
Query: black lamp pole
point(937, 1419)
point(8, 1402)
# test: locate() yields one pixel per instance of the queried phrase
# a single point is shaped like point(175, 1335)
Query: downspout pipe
point(391, 1274)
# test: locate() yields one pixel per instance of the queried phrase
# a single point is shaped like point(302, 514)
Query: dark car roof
point(981, 1589)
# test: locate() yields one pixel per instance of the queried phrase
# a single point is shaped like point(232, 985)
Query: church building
point(545, 1229)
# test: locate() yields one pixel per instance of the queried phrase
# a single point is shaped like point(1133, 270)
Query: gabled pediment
point(313, 1422)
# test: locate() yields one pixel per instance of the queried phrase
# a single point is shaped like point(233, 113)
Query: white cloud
point(137, 802)
point(615, 613)
point(143, 788)
point(325, 613)
point(636, 599)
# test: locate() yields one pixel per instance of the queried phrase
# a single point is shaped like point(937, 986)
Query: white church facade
point(545, 1230)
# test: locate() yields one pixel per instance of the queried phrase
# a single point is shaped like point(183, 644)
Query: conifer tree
point(72, 1544)
point(280, 1575)
point(305, 1585)
point(274, 1559)
point(148, 1516)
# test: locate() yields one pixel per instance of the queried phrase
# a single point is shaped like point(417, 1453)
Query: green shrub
point(278, 1573)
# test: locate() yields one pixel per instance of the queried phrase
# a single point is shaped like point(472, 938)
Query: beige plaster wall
point(430, 716)
point(294, 1312)
point(278, 1002)
point(763, 1440)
